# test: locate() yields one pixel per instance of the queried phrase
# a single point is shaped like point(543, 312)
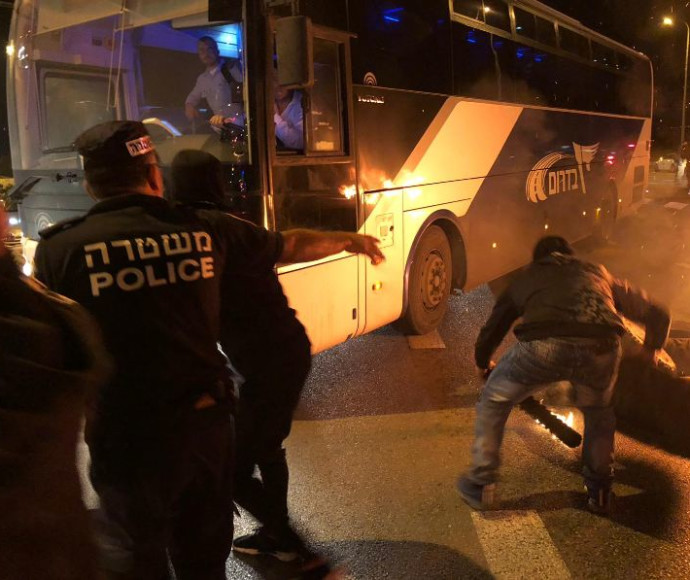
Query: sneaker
point(599, 500)
point(261, 544)
point(478, 497)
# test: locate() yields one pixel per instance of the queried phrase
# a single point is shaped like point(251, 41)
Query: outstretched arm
point(636, 305)
point(308, 245)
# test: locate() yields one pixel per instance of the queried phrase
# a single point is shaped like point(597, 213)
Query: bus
point(458, 132)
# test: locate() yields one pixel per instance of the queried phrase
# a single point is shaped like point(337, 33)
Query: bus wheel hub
point(435, 281)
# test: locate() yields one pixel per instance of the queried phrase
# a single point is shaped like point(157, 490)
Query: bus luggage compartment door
point(383, 292)
point(324, 294)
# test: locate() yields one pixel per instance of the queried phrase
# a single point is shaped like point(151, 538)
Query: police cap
point(114, 142)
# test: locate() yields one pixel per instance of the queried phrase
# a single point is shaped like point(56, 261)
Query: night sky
point(632, 22)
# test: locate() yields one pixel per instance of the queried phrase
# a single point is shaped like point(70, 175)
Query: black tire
point(429, 283)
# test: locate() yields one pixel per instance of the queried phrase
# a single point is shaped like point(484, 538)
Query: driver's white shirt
point(212, 86)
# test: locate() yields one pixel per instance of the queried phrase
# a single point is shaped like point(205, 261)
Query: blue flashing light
point(389, 18)
point(539, 58)
point(471, 38)
point(521, 53)
point(393, 10)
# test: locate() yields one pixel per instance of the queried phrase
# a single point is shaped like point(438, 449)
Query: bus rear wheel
point(607, 215)
point(429, 283)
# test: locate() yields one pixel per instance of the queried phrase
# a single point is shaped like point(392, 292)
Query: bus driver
point(220, 85)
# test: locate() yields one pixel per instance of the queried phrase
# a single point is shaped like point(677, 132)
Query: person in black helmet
point(570, 330)
point(161, 435)
point(269, 347)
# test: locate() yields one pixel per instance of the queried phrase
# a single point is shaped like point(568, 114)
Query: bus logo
point(546, 179)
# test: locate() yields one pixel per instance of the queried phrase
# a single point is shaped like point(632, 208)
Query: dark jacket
point(562, 296)
point(51, 360)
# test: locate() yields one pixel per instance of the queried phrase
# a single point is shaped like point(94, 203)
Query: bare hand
point(369, 245)
point(217, 120)
point(649, 356)
point(484, 373)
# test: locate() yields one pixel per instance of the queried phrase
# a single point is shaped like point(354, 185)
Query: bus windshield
point(83, 62)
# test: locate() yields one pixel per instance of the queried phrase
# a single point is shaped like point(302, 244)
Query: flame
point(568, 419)
point(348, 191)
point(372, 198)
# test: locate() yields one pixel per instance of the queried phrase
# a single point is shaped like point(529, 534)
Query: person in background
point(571, 325)
point(220, 85)
point(684, 158)
point(269, 347)
point(52, 362)
point(288, 117)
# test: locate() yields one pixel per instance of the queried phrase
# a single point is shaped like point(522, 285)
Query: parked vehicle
point(667, 162)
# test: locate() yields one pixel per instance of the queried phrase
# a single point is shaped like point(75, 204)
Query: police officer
point(161, 434)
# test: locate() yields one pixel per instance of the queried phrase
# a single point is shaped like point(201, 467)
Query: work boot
point(599, 500)
point(286, 547)
point(478, 497)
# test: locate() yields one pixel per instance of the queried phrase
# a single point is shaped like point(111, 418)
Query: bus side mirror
point(294, 51)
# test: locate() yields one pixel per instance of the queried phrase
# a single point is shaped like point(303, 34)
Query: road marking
point(517, 545)
point(426, 341)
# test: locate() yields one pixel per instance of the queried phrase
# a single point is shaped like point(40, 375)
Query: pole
point(685, 87)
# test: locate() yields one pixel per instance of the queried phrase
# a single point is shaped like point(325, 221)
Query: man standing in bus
point(161, 433)
point(220, 85)
point(570, 331)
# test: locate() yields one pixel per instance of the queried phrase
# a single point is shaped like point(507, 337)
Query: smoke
point(650, 248)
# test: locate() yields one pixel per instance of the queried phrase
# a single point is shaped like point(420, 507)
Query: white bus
point(458, 132)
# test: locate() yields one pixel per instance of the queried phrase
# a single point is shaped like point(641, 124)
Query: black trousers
point(166, 495)
point(267, 402)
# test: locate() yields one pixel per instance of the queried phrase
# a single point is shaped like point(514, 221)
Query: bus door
point(313, 186)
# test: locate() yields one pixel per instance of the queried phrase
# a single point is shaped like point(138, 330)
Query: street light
point(668, 21)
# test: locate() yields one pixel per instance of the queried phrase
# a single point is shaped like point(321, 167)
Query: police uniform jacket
point(150, 273)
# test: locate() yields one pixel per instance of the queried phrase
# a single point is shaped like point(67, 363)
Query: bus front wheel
point(428, 283)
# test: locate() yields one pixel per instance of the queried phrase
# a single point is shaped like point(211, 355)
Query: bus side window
point(325, 112)
point(474, 63)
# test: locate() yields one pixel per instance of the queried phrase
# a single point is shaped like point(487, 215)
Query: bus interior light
point(376, 286)
point(9, 49)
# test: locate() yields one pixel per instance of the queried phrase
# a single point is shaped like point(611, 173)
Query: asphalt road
point(383, 431)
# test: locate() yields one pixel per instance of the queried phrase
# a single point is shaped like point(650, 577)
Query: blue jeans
point(590, 365)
